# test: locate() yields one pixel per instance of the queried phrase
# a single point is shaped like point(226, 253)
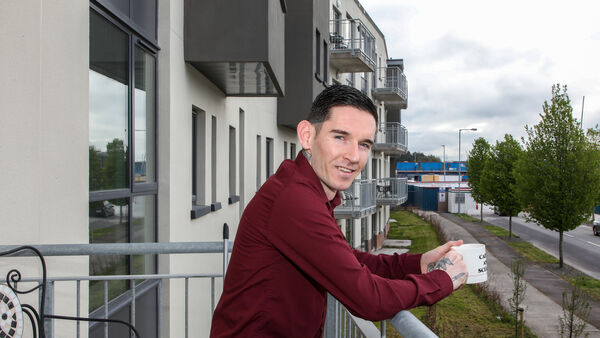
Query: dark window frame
point(318, 55)
point(135, 39)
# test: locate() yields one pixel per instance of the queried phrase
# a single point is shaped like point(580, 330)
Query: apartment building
point(126, 121)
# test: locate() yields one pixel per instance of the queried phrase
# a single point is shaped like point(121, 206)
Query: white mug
point(474, 257)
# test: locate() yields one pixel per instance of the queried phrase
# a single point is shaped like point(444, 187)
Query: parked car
point(596, 228)
point(102, 209)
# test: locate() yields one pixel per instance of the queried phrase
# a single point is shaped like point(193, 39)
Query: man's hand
point(450, 261)
point(436, 254)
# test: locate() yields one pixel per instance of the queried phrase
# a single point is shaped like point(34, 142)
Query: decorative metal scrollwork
point(11, 324)
point(12, 310)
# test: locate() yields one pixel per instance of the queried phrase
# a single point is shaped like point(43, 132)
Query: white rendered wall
point(44, 135)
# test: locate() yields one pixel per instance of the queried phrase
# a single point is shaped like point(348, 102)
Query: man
point(289, 251)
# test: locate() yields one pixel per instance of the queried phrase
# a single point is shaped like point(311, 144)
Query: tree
point(96, 180)
point(479, 154)
point(498, 180)
point(576, 311)
point(559, 178)
point(417, 157)
point(517, 273)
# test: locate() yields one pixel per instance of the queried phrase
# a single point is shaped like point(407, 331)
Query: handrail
point(123, 248)
point(341, 323)
point(410, 326)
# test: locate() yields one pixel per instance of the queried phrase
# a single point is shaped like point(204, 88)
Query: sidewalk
point(543, 297)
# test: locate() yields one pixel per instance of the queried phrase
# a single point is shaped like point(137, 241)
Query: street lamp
point(459, 174)
point(444, 162)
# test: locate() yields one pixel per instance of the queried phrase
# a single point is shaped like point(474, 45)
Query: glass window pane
point(121, 6)
point(108, 146)
point(145, 93)
point(109, 223)
point(144, 14)
point(144, 231)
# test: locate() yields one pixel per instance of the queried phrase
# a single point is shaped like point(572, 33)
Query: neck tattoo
point(306, 154)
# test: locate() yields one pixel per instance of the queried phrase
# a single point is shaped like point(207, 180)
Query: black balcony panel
point(237, 44)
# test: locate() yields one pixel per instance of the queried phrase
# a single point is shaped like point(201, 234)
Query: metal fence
point(394, 133)
point(358, 200)
point(351, 35)
point(393, 80)
point(392, 190)
point(47, 285)
point(341, 324)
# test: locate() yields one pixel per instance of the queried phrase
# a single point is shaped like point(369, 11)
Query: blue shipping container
point(407, 166)
point(432, 166)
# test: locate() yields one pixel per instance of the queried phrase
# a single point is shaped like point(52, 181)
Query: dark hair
point(339, 95)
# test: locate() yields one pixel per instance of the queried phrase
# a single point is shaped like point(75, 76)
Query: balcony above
point(392, 87)
point(358, 201)
point(245, 55)
point(392, 139)
point(352, 46)
point(391, 191)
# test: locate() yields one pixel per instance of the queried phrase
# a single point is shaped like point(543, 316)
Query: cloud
point(491, 67)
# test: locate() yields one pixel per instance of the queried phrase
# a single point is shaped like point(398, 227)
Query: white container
point(474, 257)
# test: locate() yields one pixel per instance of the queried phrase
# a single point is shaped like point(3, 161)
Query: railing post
point(48, 309)
point(330, 318)
point(225, 248)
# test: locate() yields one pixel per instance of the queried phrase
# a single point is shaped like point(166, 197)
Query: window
point(325, 65)
point(258, 161)
point(213, 159)
point(137, 13)
point(232, 166)
point(242, 164)
point(459, 198)
point(269, 157)
point(337, 17)
point(122, 156)
point(285, 150)
point(318, 55)
point(293, 151)
point(363, 83)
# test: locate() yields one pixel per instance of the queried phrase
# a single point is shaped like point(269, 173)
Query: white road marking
point(569, 235)
point(594, 244)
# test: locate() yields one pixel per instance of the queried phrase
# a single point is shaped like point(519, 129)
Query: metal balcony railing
point(352, 46)
point(358, 200)
point(393, 88)
point(392, 191)
point(393, 138)
point(341, 323)
point(45, 286)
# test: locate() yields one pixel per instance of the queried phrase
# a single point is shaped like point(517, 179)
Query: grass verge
point(590, 285)
point(469, 218)
point(470, 311)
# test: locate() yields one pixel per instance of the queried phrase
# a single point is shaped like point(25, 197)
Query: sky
point(489, 65)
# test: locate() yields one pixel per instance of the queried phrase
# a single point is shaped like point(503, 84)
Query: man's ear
point(305, 131)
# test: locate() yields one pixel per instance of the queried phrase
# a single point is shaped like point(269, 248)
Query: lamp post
point(459, 174)
point(444, 162)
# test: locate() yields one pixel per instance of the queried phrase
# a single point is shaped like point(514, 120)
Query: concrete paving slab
point(397, 243)
point(390, 251)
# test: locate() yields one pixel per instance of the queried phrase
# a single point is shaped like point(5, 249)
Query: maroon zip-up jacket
point(289, 252)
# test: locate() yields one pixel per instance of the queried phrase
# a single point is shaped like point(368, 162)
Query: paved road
point(581, 248)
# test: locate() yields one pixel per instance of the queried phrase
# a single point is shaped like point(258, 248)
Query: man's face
point(341, 148)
